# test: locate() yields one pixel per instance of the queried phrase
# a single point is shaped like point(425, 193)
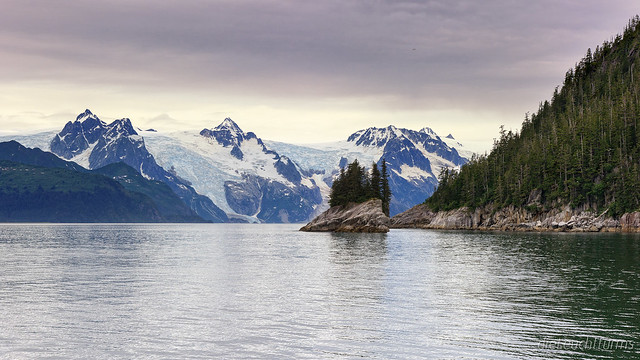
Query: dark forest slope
point(38, 186)
point(581, 148)
point(34, 193)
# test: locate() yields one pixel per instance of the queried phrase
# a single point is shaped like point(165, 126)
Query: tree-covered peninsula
point(574, 165)
point(580, 148)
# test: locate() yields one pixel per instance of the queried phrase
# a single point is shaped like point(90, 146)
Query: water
point(263, 291)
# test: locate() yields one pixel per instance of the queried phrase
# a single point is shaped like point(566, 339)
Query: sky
point(295, 71)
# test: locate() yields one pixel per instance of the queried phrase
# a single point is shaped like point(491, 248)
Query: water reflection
point(247, 291)
point(544, 287)
point(355, 247)
point(356, 289)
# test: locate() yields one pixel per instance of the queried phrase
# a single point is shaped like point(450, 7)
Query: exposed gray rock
point(455, 219)
point(516, 219)
point(244, 197)
point(630, 222)
point(416, 217)
point(363, 217)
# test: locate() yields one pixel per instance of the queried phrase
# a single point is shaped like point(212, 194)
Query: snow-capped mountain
point(414, 159)
point(251, 179)
point(455, 144)
point(240, 174)
point(93, 143)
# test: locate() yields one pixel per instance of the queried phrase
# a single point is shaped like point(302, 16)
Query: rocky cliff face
point(516, 219)
point(364, 217)
point(419, 216)
point(630, 222)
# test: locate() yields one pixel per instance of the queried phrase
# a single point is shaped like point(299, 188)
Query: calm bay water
point(269, 291)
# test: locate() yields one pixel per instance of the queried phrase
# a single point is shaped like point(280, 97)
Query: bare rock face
point(630, 222)
point(513, 218)
point(418, 216)
point(364, 217)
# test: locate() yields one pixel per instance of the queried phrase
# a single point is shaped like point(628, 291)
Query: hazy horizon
point(301, 73)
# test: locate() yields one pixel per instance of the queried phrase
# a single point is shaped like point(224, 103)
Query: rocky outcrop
point(419, 216)
point(363, 217)
point(516, 219)
point(630, 222)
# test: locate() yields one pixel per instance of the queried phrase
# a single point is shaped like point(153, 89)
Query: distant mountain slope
point(414, 158)
point(581, 148)
point(93, 144)
point(38, 194)
point(14, 151)
point(240, 173)
point(170, 206)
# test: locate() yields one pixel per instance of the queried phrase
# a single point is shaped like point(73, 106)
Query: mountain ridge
point(95, 144)
point(252, 179)
point(31, 193)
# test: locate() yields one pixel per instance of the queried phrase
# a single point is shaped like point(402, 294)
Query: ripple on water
point(249, 291)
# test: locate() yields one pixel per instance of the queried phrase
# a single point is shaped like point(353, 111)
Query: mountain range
point(226, 174)
point(92, 143)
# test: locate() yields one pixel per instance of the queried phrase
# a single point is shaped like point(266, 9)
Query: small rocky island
point(359, 201)
point(353, 217)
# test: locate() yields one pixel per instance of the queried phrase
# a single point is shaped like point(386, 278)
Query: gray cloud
point(476, 55)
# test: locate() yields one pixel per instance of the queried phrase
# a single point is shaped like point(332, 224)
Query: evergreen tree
point(354, 184)
point(338, 194)
point(386, 191)
point(375, 189)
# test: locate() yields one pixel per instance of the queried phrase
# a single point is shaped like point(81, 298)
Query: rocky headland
point(353, 217)
point(563, 219)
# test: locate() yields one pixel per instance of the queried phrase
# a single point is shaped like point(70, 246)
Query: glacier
point(249, 181)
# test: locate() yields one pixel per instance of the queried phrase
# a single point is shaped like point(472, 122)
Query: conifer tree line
point(355, 184)
point(581, 148)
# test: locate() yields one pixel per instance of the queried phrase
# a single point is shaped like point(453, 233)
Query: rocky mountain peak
point(229, 125)
point(227, 134)
point(374, 136)
point(78, 135)
point(429, 131)
point(121, 127)
point(87, 114)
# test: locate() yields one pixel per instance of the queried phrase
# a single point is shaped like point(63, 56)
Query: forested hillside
point(39, 194)
point(581, 148)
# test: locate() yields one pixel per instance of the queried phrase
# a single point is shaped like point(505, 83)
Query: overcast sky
point(295, 71)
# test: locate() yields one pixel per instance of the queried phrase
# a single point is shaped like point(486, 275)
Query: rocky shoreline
point(564, 219)
point(353, 217)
